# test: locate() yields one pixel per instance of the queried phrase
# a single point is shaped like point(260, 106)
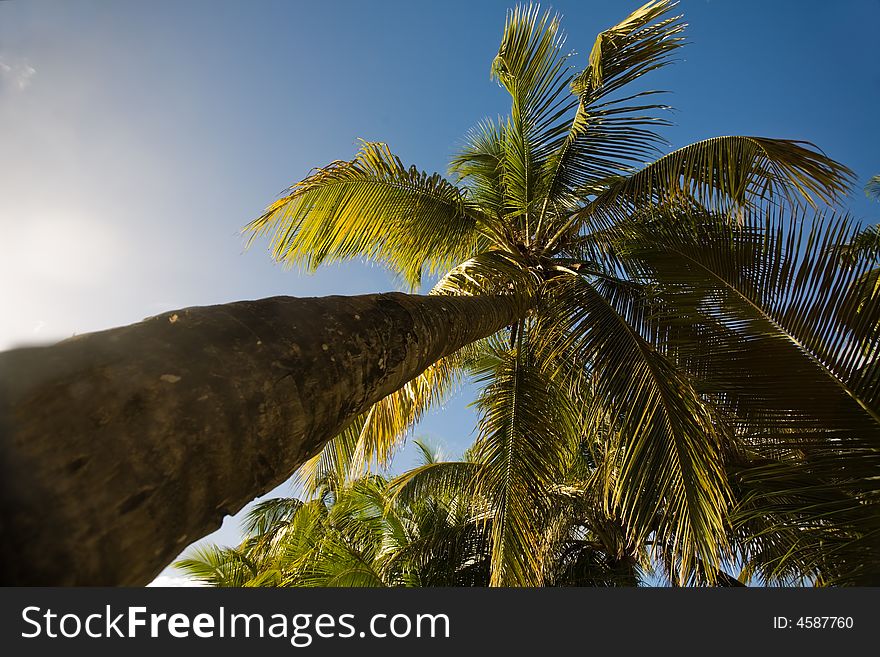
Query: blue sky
point(136, 138)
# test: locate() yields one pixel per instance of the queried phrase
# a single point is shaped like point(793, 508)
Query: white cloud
point(16, 73)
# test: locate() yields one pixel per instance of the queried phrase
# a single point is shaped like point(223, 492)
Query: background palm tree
point(425, 528)
point(354, 533)
point(695, 310)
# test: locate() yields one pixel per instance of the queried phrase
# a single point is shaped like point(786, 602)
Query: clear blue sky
point(136, 138)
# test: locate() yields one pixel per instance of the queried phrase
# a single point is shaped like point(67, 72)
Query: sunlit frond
point(533, 68)
point(490, 272)
point(217, 566)
point(607, 137)
point(266, 516)
point(720, 174)
point(443, 478)
point(739, 170)
point(389, 421)
point(333, 464)
point(640, 43)
point(372, 208)
point(479, 167)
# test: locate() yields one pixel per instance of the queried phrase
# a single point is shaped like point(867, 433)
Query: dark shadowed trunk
point(119, 448)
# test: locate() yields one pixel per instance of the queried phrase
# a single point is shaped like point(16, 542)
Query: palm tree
point(120, 447)
point(425, 528)
point(352, 533)
point(643, 300)
point(691, 309)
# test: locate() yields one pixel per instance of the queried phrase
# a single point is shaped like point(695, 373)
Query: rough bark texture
point(119, 448)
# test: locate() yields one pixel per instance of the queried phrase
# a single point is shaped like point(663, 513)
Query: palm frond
point(527, 433)
point(445, 550)
point(533, 68)
point(864, 244)
point(607, 137)
point(267, 515)
point(332, 466)
point(794, 326)
point(445, 479)
point(872, 189)
point(719, 174)
point(373, 208)
point(427, 453)
point(781, 275)
point(671, 478)
point(479, 168)
point(739, 170)
point(640, 43)
point(218, 566)
point(492, 273)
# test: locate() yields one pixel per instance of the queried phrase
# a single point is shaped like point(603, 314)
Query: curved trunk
point(121, 447)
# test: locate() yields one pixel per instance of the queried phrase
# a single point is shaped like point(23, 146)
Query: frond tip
point(640, 43)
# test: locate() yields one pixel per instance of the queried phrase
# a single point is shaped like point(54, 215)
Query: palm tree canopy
point(698, 318)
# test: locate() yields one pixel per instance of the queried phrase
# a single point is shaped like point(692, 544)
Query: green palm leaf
point(719, 174)
point(371, 207)
point(218, 566)
point(777, 289)
point(532, 67)
point(332, 466)
point(783, 275)
point(527, 433)
point(740, 169)
point(608, 136)
point(479, 167)
point(443, 478)
point(672, 479)
point(263, 516)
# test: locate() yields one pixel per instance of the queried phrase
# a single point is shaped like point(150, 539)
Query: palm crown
point(695, 324)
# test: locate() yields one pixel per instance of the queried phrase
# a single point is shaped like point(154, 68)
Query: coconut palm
point(121, 447)
point(353, 533)
point(653, 293)
point(687, 306)
point(424, 528)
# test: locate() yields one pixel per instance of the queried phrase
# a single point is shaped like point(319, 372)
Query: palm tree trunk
point(121, 447)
